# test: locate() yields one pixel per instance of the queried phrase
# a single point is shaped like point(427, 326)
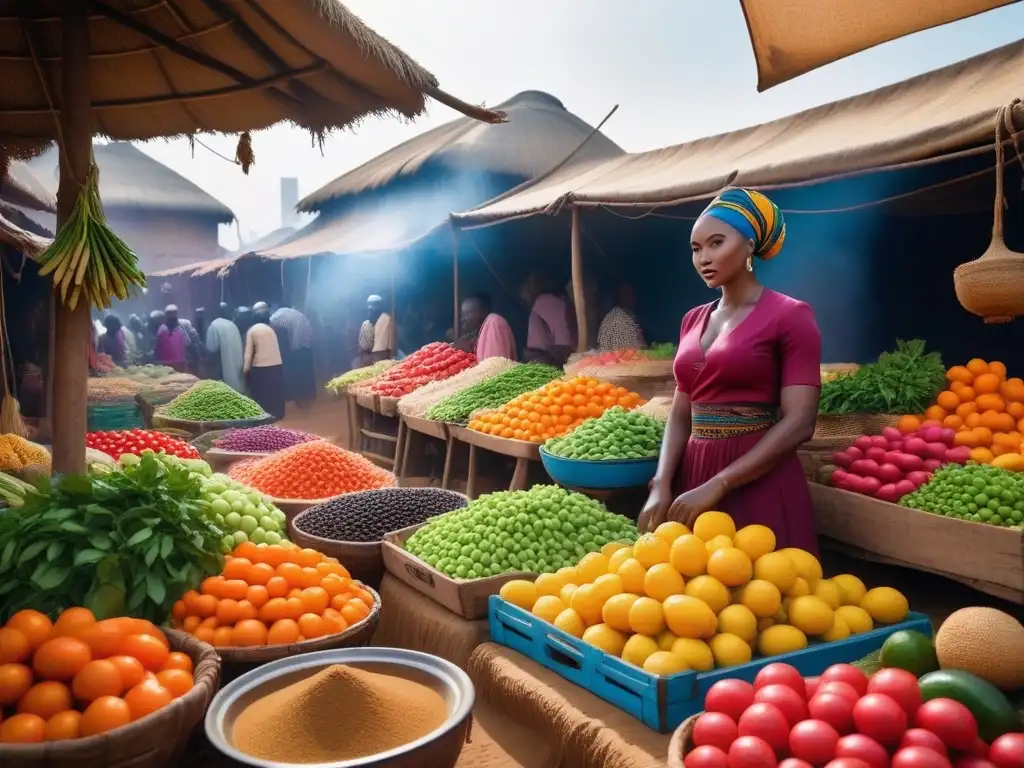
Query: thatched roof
point(539, 133)
point(20, 187)
point(129, 178)
point(175, 68)
point(20, 239)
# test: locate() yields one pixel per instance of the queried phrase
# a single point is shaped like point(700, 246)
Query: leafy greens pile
point(124, 542)
point(906, 380)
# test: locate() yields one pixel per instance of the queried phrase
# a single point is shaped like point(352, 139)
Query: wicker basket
point(682, 742)
point(816, 453)
point(156, 740)
point(853, 424)
point(361, 559)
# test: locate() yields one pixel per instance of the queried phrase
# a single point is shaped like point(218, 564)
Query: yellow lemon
point(851, 589)
point(670, 531)
point(761, 597)
point(647, 617)
point(799, 589)
point(730, 566)
point(615, 612)
point(614, 546)
point(754, 540)
point(711, 524)
point(710, 590)
point(638, 649)
point(604, 637)
point(776, 568)
point(548, 584)
point(570, 622)
point(828, 591)
point(885, 605)
point(810, 614)
point(689, 617)
point(839, 631)
point(664, 663)
point(519, 592)
point(590, 567)
point(737, 620)
point(568, 575)
point(565, 593)
point(587, 602)
point(780, 639)
point(608, 585)
point(632, 575)
point(548, 607)
point(618, 557)
point(695, 653)
point(688, 556)
point(650, 550)
point(666, 639)
point(717, 543)
point(663, 580)
point(807, 566)
point(729, 650)
point(856, 619)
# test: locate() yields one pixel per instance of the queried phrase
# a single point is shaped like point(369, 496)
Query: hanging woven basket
point(992, 286)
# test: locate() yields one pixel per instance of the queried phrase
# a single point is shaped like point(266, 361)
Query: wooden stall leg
point(400, 451)
point(449, 449)
point(406, 442)
point(519, 475)
point(471, 478)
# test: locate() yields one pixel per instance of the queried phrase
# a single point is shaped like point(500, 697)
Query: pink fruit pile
point(891, 465)
point(840, 720)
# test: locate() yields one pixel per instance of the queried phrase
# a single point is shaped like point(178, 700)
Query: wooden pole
point(457, 319)
point(71, 327)
point(579, 294)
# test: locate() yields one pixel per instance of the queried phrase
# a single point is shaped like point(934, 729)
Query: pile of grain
point(418, 402)
point(657, 408)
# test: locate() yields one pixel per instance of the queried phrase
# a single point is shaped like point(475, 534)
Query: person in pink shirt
point(171, 341)
point(487, 334)
point(551, 334)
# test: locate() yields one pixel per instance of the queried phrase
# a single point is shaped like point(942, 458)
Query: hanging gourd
point(992, 286)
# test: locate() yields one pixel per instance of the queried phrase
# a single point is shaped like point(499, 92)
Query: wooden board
point(986, 557)
point(427, 427)
point(518, 449)
point(368, 401)
point(387, 406)
point(202, 427)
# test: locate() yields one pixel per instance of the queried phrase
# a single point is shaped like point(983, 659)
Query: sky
point(678, 69)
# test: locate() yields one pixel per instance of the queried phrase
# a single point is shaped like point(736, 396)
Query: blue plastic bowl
point(599, 475)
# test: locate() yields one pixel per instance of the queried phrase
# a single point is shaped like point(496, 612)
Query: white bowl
point(449, 681)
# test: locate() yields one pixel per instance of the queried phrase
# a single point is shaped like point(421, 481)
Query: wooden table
point(430, 428)
point(367, 434)
point(522, 451)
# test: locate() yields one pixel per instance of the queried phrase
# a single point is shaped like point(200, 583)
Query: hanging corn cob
point(86, 258)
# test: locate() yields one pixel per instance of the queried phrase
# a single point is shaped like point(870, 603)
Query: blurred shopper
point(620, 329)
point(299, 369)
point(487, 334)
point(550, 338)
point(376, 334)
point(172, 341)
point(224, 343)
point(112, 341)
point(264, 372)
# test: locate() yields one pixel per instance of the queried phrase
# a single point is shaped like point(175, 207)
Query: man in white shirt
point(383, 347)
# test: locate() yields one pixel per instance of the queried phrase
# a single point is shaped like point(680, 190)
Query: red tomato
point(864, 748)
point(846, 673)
point(847, 762)
point(950, 720)
point(730, 696)
point(1007, 751)
point(814, 741)
point(881, 718)
point(919, 737)
point(973, 761)
point(767, 723)
point(784, 698)
point(792, 762)
point(919, 757)
point(780, 674)
point(715, 729)
point(707, 757)
point(834, 709)
point(843, 689)
point(750, 752)
point(811, 685)
point(900, 686)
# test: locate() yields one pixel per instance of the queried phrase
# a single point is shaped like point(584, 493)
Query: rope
point(487, 264)
point(192, 139)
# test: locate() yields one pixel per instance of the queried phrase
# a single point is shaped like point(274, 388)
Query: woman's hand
point(654, 511)
point(688, 506)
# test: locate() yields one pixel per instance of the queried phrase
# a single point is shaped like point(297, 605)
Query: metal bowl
point(439, 749)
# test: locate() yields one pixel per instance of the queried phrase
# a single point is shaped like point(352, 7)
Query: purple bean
point(266, 439)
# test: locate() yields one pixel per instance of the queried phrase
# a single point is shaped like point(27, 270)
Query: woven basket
point(156, 740)
point(682, 742)
point(816, 453)
point(853, 424)
point(992, 286)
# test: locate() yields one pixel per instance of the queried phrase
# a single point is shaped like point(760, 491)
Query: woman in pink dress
point(747, 385)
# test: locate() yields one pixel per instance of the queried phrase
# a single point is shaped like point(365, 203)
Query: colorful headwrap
point(753, 215)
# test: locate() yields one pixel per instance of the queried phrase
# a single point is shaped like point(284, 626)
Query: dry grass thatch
point(21, 187)
point(129, 178)
point(22, 240)
point(179, 67)
point(540, 132)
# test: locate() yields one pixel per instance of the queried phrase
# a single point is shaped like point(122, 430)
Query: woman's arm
point(250, 350)
point(673, 446)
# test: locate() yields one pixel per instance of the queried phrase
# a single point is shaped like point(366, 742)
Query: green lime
point(911, 651)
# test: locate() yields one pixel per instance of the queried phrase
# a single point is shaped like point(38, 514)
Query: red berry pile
point(120, 442)
point(842, 719)
point(434, 362)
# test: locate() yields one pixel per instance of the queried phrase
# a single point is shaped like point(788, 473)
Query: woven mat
point(579, 729)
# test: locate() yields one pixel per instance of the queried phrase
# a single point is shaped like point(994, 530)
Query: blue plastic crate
point(661, 703)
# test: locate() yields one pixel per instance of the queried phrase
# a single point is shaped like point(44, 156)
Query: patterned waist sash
point(717, 422)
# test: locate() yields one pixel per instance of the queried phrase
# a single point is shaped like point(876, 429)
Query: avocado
point(990, 707)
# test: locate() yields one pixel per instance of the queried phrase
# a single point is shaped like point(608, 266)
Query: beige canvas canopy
point(791, 37)
point(926, 116)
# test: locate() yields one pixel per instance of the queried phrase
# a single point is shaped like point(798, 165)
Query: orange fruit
point(73, 620)
point(35, 626)
point(179, 611)
point(308, 558)
point(206, 605)
point(210, 623)
point(309, 577)
point(1005, 423)
point(235, 589)
point(257, 596)
point(23, 728)
point(1013, 389)
point(311, 625)
point(982, 455)
point(335, 621)
point(983, 435)
point(283, 632)
point(977, 366)
point(960, 373)
point(1015, 409)
point(130, 669)
point(248, 550)
point(147, 649)
point(104, 714)
point(177, 681)
point(237, 568)
point(63, 725)
point(45, 699)
point(275, 609)
point(290, 572)
point(952, 422)
point(935, 413)
point(98, 678)
point(314, 600)
point(277, 586)
point(972, 420)
point(205, 634)
point(210, 586)
point(228, 612)
point(249, 632)
point(260, 574)
point(354, 611)
point(14, 646)
point(990, 403)
point(986, 384)
point(294, 607)
point(146, 697)
point(103, 638)
point(222, 637)
point(246, 610)
point(966, 437)
point(178, 660)
point(366, 598)
point(15, 680)
point(997, 369)
point(966, 409)
point(990, 420)
point(999, 450)
point(61, 658)
point(947, 400)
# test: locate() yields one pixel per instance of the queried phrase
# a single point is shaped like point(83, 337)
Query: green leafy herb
point(906, 380)
point(126, 542)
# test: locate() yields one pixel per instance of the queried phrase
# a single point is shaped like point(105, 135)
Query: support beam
point(579, 293)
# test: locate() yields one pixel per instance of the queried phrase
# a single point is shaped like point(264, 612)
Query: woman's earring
point(750, 263)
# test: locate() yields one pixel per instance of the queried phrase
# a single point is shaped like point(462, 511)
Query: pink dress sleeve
point(799, 347)
point(684, 354)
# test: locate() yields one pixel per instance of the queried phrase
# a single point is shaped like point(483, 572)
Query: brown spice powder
point(340, 713)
